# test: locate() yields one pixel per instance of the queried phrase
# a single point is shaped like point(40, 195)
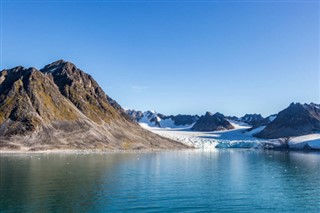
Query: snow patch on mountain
point(154, 119)
point(311, 141)
point(272, 117)
point(255, 131)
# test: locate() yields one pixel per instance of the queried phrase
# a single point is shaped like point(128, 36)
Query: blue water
point(169, 181)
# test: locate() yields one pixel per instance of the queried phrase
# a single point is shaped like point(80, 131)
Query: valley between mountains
point(295, 128)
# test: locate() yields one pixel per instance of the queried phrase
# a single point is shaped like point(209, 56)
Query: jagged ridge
point(153, 118)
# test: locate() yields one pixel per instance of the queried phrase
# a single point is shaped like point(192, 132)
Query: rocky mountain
point(212, 122)
point(154, 119)
point(232, 118)
point(296, 120)
point(251, 119)
point(265, 121)
point(135, 115)
point(62, 107)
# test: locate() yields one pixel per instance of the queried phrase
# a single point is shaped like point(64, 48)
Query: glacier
point(238, 137)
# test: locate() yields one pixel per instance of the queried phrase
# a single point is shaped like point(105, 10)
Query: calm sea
point(168, 181)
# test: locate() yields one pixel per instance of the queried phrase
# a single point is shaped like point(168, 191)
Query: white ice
point(235, 138)
point(312, 140)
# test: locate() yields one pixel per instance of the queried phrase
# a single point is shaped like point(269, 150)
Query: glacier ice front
point(236, 138)
point(239, 144)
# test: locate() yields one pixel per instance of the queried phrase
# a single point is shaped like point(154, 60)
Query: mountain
point(252, 119)
point(212, 122)
point(265, 121)
point(296, 120)
point(62, 107)
point(135, 115)
point(154, 119)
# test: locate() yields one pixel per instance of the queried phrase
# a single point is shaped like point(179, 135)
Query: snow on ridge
point(255, 131)
point(53, 69)
point(145, 120)
point(168, 123)
point(272, 117)
point(154, 119)
point(239, 124)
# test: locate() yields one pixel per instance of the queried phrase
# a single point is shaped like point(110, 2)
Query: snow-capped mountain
point(253, 120)
point(296, 120)
point(154, 119)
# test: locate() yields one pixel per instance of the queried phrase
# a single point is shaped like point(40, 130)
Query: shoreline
point(88, 151)
point(198, 141)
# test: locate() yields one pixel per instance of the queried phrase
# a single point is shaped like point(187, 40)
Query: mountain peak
point(60, 62)
point(208, 114)
point(14, 69)
point(210, 122)
point(295, 104)
point(218, 114)
point(304, 119)
point(62, 107)
point(60, 65)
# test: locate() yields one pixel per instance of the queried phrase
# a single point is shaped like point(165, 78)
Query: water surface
point(169, 181)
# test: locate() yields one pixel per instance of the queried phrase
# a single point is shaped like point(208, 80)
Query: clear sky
point(234, 57)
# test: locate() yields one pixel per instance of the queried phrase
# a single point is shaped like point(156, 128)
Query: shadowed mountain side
point(298, 119)
point(212, 122)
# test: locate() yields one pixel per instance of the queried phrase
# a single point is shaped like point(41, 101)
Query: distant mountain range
point(62, 107)
point(154, 119)
point(296, 120)
point(207, 122)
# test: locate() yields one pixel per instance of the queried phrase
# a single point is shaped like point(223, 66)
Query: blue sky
point(175, 56)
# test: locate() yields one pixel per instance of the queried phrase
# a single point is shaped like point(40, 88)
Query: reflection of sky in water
point(225, 180)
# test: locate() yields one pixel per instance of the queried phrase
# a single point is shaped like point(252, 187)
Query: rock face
point(265, 121)
point(252, 119)
point(298, 119)
point(184, 120)
point(154, 119)
point(61, 107)
point(210, 122)
point(135, 115)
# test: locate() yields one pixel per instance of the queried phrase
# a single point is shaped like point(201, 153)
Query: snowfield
point(235, 138)
point(312, 140)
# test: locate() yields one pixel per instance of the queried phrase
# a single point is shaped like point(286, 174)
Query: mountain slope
point(296, 120)
point(251, 119)
point(61, 107)
point(212, 122)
